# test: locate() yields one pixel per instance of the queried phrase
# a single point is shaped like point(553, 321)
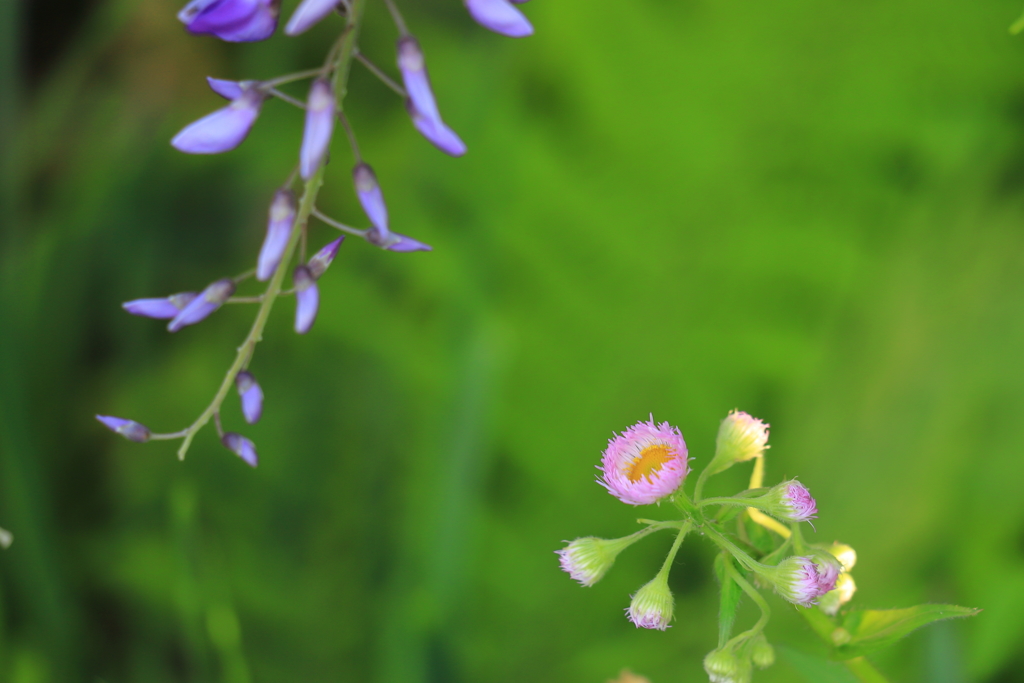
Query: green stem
point(865, 671)
point(310, 192)
point(670, 558)
point(699, 488)
point(758, 599)
point(727, 545)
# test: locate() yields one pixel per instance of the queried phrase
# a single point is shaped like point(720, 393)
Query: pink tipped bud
point(252, 396)
point(652, 605)
point(740, 438)
point(316, 137)
point(317, 265)
point(208, 301)
point(279, 229)
point(307, 299)
point(242, 447)
point(790, 501)
point(802, 580)
point(129, 429)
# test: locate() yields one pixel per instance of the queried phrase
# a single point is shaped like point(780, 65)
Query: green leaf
point(865, 631)
point(730, 599)
point(815, 669)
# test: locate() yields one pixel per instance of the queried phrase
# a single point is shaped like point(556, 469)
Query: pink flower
point(645, 463)
point(797, 500)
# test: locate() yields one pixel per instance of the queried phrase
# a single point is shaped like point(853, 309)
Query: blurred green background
point(809, 210)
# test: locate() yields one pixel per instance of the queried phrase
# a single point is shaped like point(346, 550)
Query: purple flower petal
point(222, 130)
point(499, 16)
point(323, 258)
point(242, 447)
point(307, 299)
point(208, 301)
point(229, 90)
point(161, 309)
point(279, 229)
point(316, 137)
point(235, 21)
point(371, 197)
point(252, 396)
point(421, 103)
point(308, 12)
point(396, 242)
point(129, 429)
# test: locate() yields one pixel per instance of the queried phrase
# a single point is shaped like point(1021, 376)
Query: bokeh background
point(809, 210)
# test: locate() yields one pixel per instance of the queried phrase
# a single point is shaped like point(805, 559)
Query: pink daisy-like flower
point(645, 463)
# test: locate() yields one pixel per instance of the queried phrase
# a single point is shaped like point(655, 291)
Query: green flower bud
point(588, 559)
point(846, 555)
point(652, 605)
point(724, 665)
point(740, 438)
point(845, 588)
point(761, 652)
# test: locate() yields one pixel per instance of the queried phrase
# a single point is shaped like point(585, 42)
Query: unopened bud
point(224, 129)
point(323, 258)
point(761, 652)
point(316, 136)
point(740, 438)
point(396, 242)
point(421, 103)
point(724, 665)
point(371, 198)
point(588, 559)
point(242, 447)
point(802, 580)
point(161, 309)
point(500, 16)
point(790, 501)
point(252, 396)
point(652, 605)
point(308, 13)
point(208, 301)
point(845, 588)
point(279, 229)
point(307, 299)
point(846, 555)
point(129, 429)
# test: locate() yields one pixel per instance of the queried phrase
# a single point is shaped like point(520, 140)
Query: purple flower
point(371, 198)
point(323, 258)
point(161, 309)
point(308, 13)
point(252, 396)
point(396, 242)
point(316, 137)
point(499, 16)
point(229, 90)
point(279, 229)
point(208, 301)
point(307, 299)
point(129, 429)
point(797, 502)
point(241, 446)
point(236, 21)
point(645, 463)
point(420, 103)
point(224, 129)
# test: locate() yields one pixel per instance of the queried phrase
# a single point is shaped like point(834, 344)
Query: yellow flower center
point(650, 461)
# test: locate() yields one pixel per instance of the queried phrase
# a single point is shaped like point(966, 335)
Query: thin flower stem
point(352, 142)
point(297, 76)
point(742, 502)
point(397, 17)
point(344, 46)
point(245, 300)
point(244, 276)
point(727, 545)
point(670, 558)
point(756, 596)
point(216, 422)
point(340, 226)
point(379, 73)
point(287, 98)
point(167, 437)
point(699, 488)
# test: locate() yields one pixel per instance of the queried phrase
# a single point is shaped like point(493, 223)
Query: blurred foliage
point(810, 211)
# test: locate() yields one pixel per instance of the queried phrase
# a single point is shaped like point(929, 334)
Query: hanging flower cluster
point(648, 463)
point(284, 247)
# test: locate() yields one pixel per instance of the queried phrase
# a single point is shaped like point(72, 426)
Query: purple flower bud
point(371, 197)
point(499, 16)
point(396, 242)
point(279, 229)
point(161, 309)
point(222, 130)
point(421, 104)
point(230, 90)
point(241, 446)
point(307, 299)
point(797, 502)
point(129, 429)
point(252, 396)
point(308, 12)
point(208, 301)
point(316, 137)
point(323, 258)
point(236, 21)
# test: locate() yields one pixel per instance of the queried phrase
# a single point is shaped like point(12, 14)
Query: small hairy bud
point(652, 605)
